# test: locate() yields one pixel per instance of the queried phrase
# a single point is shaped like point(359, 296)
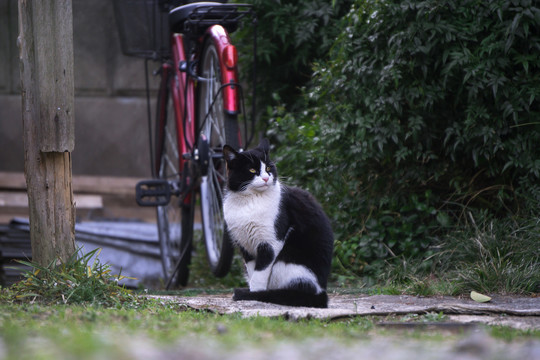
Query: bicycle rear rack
point(194, 19)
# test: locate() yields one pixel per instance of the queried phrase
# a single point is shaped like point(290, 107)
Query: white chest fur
point(251, 217)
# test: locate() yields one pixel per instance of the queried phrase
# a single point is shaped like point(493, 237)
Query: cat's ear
point(265, 145)
point(229, 153)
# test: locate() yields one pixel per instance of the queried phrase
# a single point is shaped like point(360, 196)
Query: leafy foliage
point(423, 110)
point(78, 280)
point(291, 35)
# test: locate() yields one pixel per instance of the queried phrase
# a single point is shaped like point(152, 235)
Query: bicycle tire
point(174, 220)
point(219, 128)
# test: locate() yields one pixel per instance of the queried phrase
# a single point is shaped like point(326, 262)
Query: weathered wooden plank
point(20, 200)
point(10, 199)
point(12, 180)
point(105, 185)
point(81, 184)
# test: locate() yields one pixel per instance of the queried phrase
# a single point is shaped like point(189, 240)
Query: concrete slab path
point(516, 312)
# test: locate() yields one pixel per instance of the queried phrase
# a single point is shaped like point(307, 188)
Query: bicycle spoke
point(216, 215)
point(171, 142)
point(170, 164)
point(217, 210)
point(172, 238)
point(217, 185)
point(221, 178)
point(218, 132)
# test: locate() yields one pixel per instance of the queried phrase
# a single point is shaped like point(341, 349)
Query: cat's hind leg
point(289, 284)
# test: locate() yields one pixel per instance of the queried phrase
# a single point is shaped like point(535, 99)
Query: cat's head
point(250, 171)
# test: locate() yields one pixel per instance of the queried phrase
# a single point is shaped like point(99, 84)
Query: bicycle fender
point(228, 61)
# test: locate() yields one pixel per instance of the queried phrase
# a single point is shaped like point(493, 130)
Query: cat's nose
point(265, 178)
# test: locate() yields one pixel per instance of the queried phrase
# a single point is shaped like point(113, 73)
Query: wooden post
point(46, 65)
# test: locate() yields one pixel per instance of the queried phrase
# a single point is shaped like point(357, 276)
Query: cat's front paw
point(259, 281)
point(257, 286)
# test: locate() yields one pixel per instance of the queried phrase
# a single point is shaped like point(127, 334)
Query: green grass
point(488, 255)
point(90, 331)
point(79, 329)
point(86, 332)
point(37, 323)
point(495, 256)
point(82, 278)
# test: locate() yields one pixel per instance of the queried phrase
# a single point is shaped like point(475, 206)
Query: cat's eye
point(268, 169)
point(253, 171)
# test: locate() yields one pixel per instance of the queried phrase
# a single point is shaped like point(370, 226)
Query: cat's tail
point(289, 297)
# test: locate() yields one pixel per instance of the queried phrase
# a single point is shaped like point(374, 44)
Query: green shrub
point(424, 109)
point(291, 35)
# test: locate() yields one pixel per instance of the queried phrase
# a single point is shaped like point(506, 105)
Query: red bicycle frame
point(183, 104)
point(183, 89)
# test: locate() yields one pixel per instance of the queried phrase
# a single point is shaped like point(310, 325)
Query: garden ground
point(355, 326)
point(207, 324)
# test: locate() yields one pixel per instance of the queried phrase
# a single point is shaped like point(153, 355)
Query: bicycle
point(198, 104)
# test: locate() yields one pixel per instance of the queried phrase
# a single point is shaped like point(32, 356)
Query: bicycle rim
point(219, 128)
point(174, 221)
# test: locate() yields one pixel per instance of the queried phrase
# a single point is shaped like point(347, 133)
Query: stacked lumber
point(95, 196)
point(98, 199)
point(14, 245)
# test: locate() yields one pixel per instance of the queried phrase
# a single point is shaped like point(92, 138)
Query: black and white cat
point(282, 232)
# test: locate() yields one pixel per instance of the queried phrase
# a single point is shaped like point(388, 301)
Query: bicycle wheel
point(218, 128)
point(174, 220)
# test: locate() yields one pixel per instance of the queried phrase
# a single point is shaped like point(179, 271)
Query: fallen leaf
point(481, 298)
